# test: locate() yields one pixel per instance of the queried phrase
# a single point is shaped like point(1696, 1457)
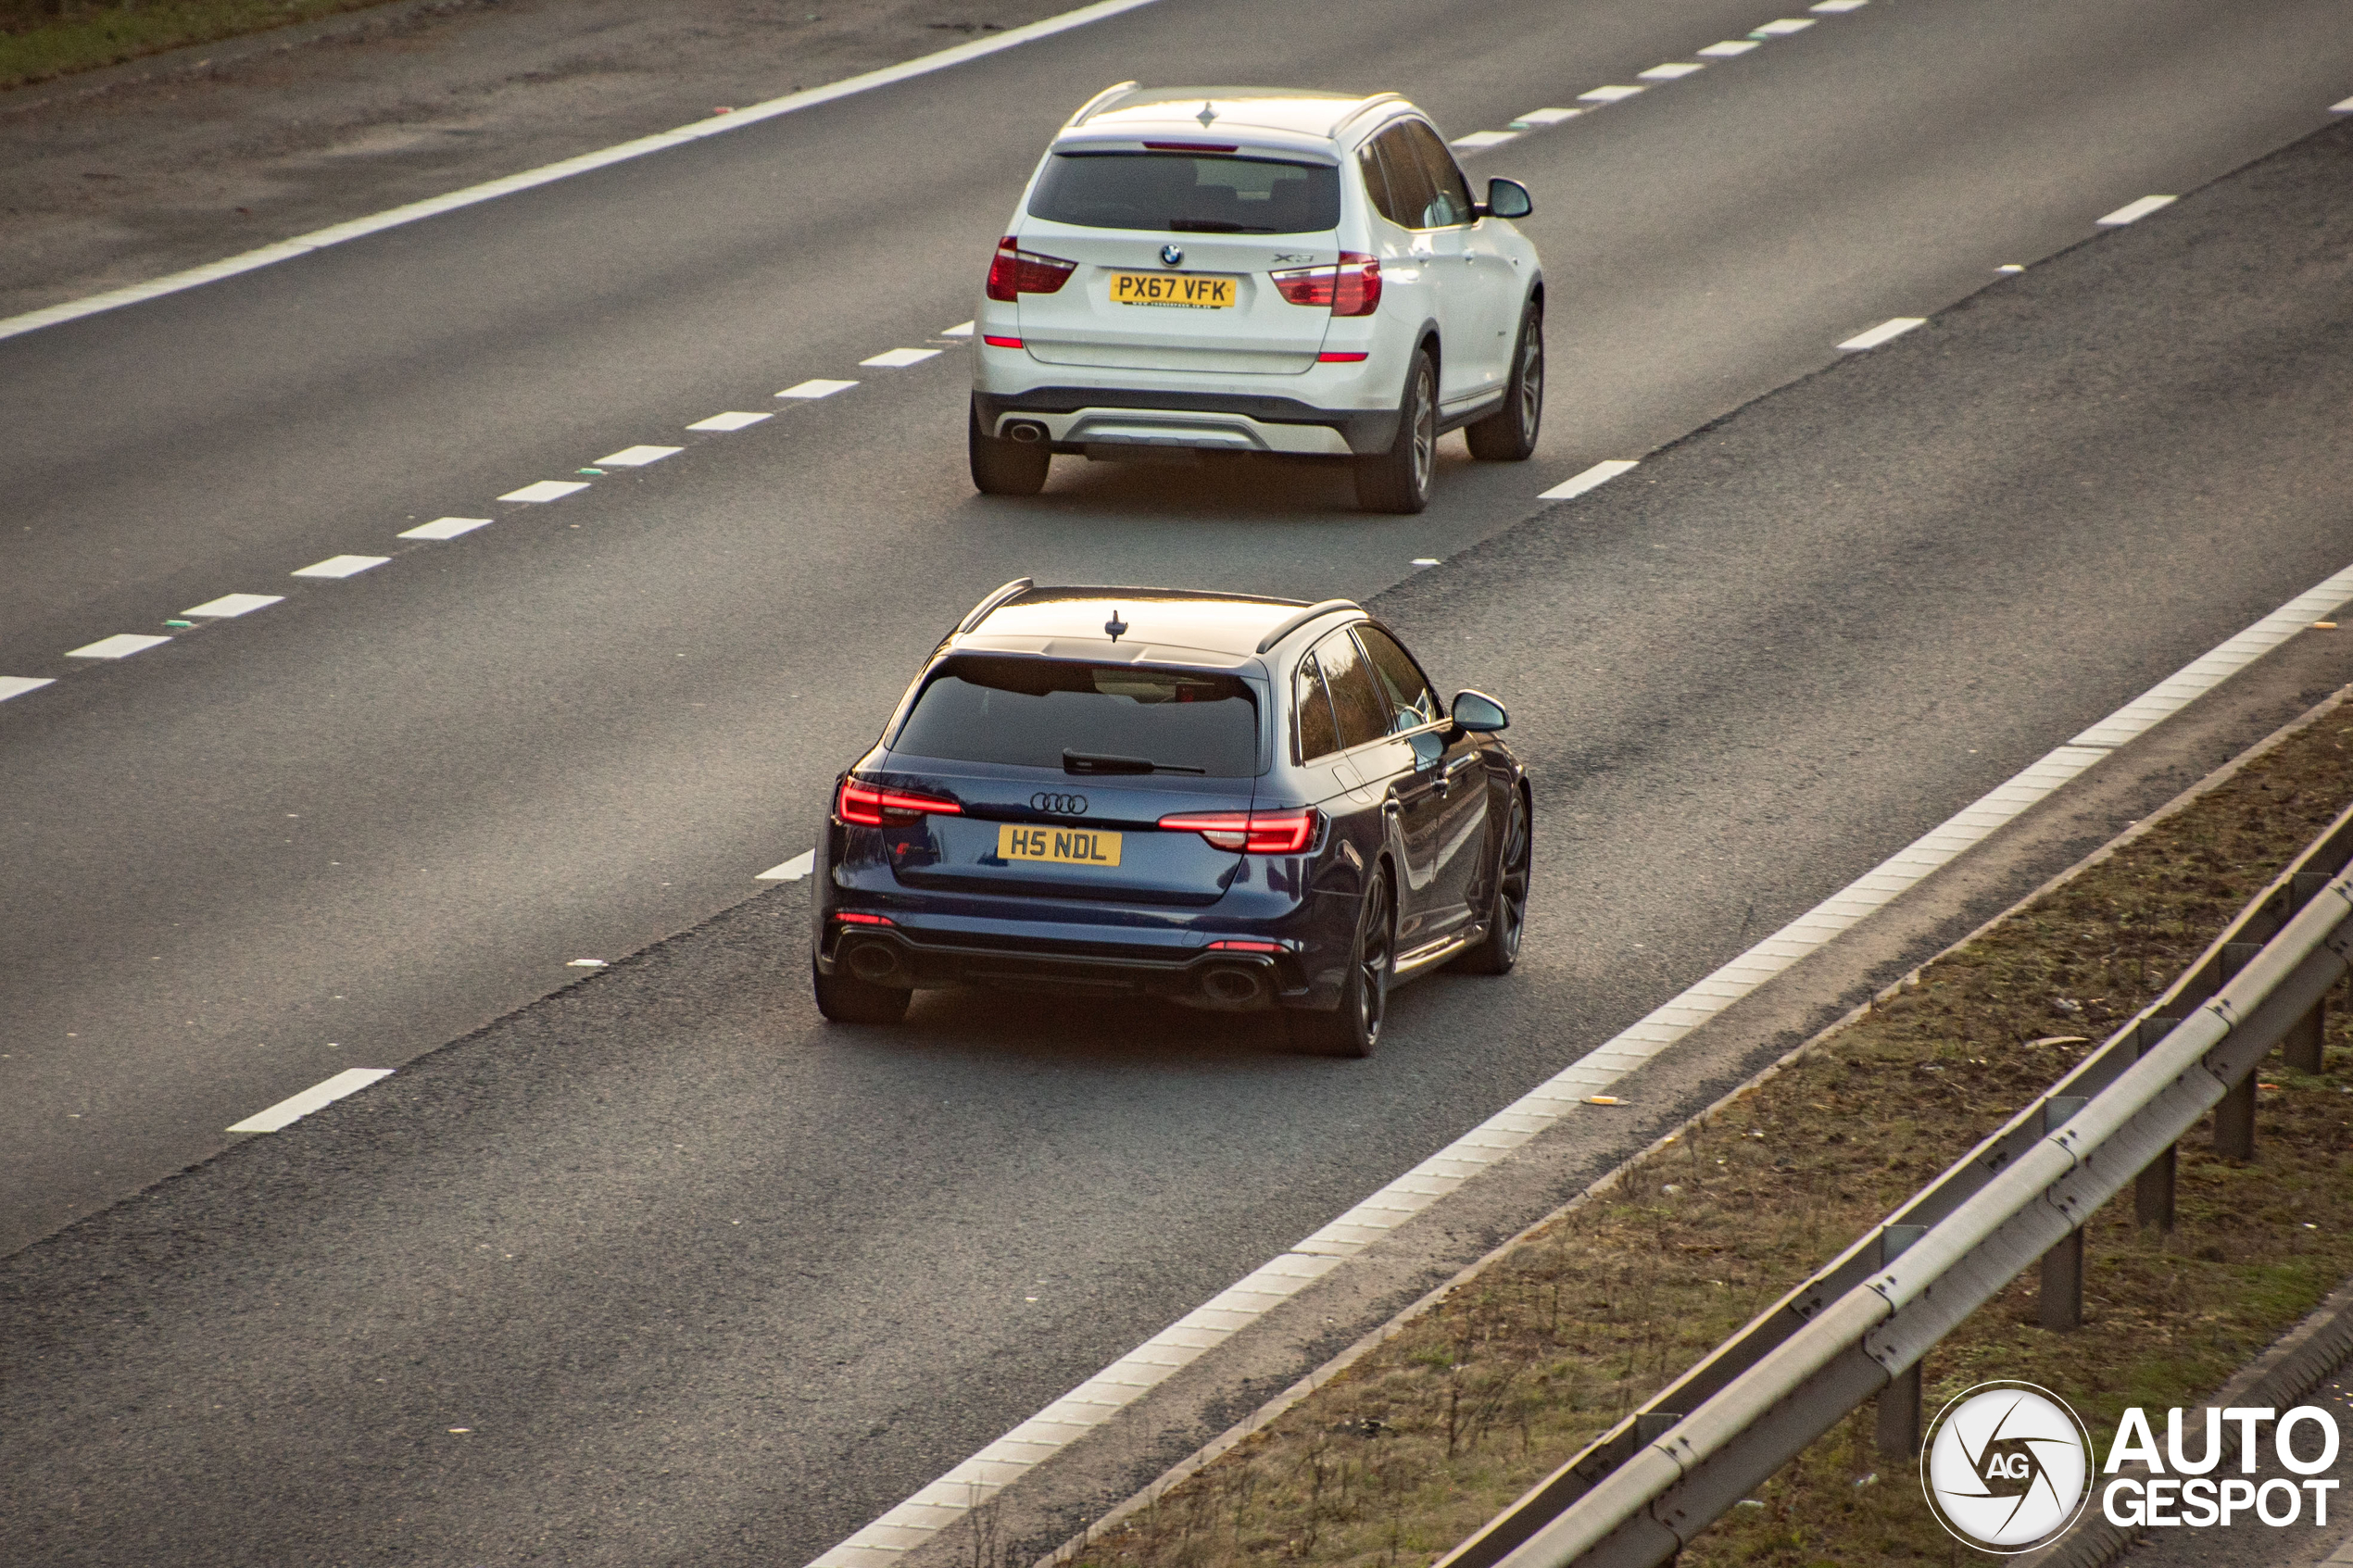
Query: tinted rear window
point(1027, 712)
point(1188, 193)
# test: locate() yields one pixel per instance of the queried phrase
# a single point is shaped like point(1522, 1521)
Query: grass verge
point(1438, 1428)
point(41, 39)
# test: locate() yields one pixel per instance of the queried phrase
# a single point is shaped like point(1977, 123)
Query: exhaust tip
point(1234, 987)
point(1027, 432)
point(872, 963)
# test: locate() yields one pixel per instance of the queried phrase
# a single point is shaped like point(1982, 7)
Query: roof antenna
point(1116, 626)
point(1207, 114)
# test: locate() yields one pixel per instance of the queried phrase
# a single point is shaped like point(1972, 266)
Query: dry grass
point(1423, 1439)
point(40, 39)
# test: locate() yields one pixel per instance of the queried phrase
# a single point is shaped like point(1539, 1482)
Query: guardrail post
point(1899, 1403)
point(2305, 1044)
point(2061, 1304)
point(2235, 1117)
point(2153, 1188)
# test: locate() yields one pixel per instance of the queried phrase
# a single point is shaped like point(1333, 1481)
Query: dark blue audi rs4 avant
point(1227, 802)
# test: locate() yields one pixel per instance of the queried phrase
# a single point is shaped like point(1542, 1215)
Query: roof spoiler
point(1313, 613)
point(1377, 100)
point(1097, 101)
point(982, 610)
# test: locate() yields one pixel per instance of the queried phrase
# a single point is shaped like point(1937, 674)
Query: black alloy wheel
point(1005, 468)
point(1508, 435)
point(1399, 480)
point(1507, 911)
point(845, 998)
point(1352, 1029)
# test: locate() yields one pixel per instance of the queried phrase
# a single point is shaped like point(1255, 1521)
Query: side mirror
point(1508, 198)
point(1479, 714)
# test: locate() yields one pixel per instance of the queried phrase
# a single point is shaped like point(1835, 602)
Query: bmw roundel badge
point(1172, 254)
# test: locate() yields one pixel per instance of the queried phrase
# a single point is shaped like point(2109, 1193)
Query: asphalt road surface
point(702, 1280)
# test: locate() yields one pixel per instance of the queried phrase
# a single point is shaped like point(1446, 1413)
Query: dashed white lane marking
point(1674, 70)
point(229, 605)
point(946, 1501)
point(122, 645)
point(1606, 95)
point(1425, 561)
point(717, 125)
point(732, 421)
point(1599, 473)
point(545, 490)
point(1479, 139)
point(1892, 328)
point(1730, 47)
point(319, 1095)
point(2132, 212)
point(2009, 266)
point(899, 358)
point(1545, 117)
point(637, 457)
point(2345, 107)
point(16, 685)
point(817, 387)
point(584, 963)
point(800, 866)
point(340, 566)
point(1782, 27)
point(445, 528)
point(961, 329)
point(1838, 6)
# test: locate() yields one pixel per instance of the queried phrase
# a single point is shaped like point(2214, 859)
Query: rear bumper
point(1229, 981)
point(1078, 417)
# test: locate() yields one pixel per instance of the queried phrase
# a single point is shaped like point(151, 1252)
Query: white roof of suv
point(1130, 112)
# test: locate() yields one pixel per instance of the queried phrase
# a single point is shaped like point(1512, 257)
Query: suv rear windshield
point(1188, 193)
point(1028, 712)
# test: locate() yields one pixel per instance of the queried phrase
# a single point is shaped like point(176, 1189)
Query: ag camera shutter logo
point(2008, 1467)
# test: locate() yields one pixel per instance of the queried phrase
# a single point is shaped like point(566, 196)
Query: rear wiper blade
point(1102, 762)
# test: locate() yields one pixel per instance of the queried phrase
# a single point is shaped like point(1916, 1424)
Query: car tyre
point(1352, 1029)
point(1507, 913)
point(1508, 435)
point(1399, 480)
point(845, 998)
point(1005, 468)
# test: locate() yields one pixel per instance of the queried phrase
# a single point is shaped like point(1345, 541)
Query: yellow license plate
point(1189, 291)
point(1070, 847)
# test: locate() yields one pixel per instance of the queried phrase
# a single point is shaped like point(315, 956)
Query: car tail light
point(1245, 946)
point(857, 917)
point(1255, 832)
point(1016, 271)
point(1330, 358)
point(1351, 288)
point(872, 806)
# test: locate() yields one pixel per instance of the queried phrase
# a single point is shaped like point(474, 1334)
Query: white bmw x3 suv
point(1257, 269)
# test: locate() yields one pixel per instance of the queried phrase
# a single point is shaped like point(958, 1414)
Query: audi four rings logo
point(2008, 1467)
point(1060, 805)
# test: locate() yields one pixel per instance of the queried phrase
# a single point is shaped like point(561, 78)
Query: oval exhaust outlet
point(1233, 987)
point(872, 963)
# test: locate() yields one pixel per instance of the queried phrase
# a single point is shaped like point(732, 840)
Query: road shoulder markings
point(733, 419)
point(545, 490)
point(1886, 332)
point(2132, 212)
point(445, 528)
point(947, 1502)
point(1599, 473)
point(340, 566)
point(317, 1097)
point(228, 607)
point(122, 645)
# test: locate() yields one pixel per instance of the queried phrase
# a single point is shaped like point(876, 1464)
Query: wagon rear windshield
point(1188, 192)
point(1030, 712)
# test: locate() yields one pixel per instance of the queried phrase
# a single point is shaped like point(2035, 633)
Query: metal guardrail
point(1858, 1329)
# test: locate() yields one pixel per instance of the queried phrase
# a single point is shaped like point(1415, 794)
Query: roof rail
point(1091, 105)
point(1313, 613)
point(1375, 101)
point(982, 610)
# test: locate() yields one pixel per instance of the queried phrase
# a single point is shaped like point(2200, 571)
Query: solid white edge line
point(318, 239)
point(800, 866)
point(1893, 327)
point(319, 1095)
point(946, 1500)
point(2132, 212)
point(16, 685)
point(1576, 484)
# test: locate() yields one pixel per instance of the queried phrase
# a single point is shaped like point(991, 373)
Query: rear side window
point(1317, 735)
point(1188, 193)
point(1394, 180)
point(1427, 189)
point(1356, 700)
point(1028, 713)
point(1411, 702)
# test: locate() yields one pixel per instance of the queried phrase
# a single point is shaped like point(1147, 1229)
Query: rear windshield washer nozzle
point(1116, 626)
